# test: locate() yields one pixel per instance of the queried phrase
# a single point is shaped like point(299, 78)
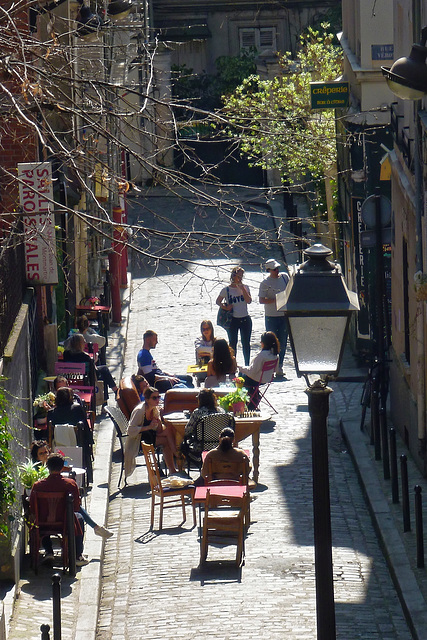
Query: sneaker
point(82, 561)
point(103, 532)
point(280, 373)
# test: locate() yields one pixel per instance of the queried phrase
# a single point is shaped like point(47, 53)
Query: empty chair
point(165, 497)
point(223, 522)
point(121, 425)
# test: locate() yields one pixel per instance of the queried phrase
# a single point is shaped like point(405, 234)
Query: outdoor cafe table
point(199, 371)
point(92, 311)
point(245, 427)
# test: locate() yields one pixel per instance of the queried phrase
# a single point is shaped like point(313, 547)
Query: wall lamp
point(407, 78)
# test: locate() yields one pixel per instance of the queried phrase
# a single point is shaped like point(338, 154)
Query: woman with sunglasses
point(204, 344)
point(39, 454)
point(236, 298)
point(145, 424)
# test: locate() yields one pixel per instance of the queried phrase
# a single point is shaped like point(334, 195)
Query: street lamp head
point(407, 78)
point(318, 306)
point(119, 9)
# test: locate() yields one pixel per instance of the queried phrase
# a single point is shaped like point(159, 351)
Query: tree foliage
point(273, 119)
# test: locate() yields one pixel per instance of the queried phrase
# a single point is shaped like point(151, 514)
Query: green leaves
point(273, 120)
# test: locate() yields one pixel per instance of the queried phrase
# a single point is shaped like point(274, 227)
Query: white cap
point(271, 264)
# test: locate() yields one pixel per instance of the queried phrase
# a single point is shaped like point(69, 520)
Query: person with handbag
point(235, 299)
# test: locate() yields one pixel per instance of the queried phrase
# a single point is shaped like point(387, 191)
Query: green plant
point(43, 403)
point(30, 472)
point(7, 468)
point(238, 395)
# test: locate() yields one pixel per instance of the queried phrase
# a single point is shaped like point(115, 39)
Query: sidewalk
point(29, 605)
point(399, 547)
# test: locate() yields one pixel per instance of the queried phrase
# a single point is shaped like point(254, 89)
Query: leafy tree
point(273, 119)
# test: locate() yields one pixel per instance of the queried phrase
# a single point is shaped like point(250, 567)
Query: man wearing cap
point(275, 320)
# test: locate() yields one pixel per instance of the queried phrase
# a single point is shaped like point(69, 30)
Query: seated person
point(207, 404)
point(67, 411)
point(62, 381)
point(89, 334)
point(149, 369)
point(141, 384)
point(223, 362)
point(39, 455)
point(56, 483)
point(204, 344)
point(227, 455)
point(270, 349)
point(76, 353)
point(145, 424)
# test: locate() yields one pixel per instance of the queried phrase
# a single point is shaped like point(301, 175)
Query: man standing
point(275, 320)
point(149, 369)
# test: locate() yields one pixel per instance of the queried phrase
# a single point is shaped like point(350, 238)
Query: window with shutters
point(259, 38)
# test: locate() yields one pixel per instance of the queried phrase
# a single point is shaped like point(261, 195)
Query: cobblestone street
point(152, 585)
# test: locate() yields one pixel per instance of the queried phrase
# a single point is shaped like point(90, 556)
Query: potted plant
point(30, 472)
point(235, 400)
point(41, 405)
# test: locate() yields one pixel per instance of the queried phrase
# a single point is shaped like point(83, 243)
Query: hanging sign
point(329, 95)
point(35, 196)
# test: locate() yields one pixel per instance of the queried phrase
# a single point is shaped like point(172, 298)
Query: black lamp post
point(407, 78)
point(318, 306)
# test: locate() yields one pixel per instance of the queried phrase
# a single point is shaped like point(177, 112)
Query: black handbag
point(224, 317)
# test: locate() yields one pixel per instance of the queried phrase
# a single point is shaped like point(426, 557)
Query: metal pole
point(393, 461)
point(56, 601)
point(405, 493)
point(384, 443)
point(318, 406)
point(419, 526)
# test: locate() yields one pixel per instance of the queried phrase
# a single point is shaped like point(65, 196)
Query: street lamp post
point(318, 306)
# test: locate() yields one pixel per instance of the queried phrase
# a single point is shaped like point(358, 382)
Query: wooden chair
point(121, 424)
point(224, 523)
point(267, 373)
point(179, 496)
point(228, 474)
point(52, 513)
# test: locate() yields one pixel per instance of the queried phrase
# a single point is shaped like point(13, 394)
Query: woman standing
point(146, 424)
point(236, 298)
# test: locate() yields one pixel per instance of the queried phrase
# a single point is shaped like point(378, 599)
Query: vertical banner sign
point(36, 195)
point(363, 331)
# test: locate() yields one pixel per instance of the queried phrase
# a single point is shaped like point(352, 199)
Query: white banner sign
point(35, 195)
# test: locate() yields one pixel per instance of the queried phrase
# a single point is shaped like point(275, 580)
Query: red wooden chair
point(267, 373)
point(52, 513)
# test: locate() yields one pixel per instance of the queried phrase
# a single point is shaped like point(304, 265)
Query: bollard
point(393, 467)
point(44, 628)
point(56, 602)
point(419, 526)
point(405, 493)
point(384, 442)
point(375, 415)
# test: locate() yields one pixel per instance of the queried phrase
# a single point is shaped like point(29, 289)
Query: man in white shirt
point(275, 320)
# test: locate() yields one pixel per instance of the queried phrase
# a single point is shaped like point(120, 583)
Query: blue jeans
point(279, 326)
point(245, 326)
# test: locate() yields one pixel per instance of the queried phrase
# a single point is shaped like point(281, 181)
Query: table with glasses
point(245, 427)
